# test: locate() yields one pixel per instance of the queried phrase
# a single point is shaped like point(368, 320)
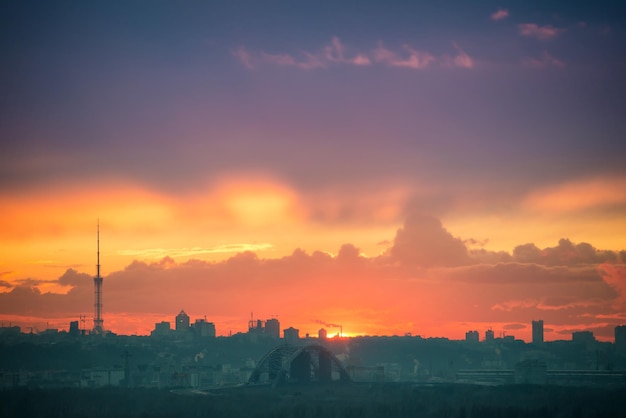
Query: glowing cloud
point(256, 201)
point(68, 205)
point(579, 195)
point(160, 253)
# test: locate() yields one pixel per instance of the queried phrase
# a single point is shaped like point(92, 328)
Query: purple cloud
point(532, 30)
point(546, 60)
point(411, 59)
point(500, 14)
point(336, 53)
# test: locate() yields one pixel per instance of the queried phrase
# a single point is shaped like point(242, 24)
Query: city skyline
point(394, 168)
point(527, 265)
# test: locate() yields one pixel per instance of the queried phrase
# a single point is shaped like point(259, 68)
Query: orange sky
point(257, 245)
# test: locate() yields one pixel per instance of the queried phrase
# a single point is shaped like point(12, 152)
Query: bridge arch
point(298, 364)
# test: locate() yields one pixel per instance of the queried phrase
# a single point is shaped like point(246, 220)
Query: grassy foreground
point(385, 400)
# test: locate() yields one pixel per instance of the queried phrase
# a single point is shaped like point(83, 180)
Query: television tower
point(97, 282)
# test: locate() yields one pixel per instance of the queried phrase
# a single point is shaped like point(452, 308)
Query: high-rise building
point(322, 334)
point(272, 328)
point(182, 321)
point(620, 338)
point(472, 336)
point(489, 335)
point(74, 330)
point(202, 328)
point(538, 332)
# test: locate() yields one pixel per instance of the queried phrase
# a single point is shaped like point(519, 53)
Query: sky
point(394, 167)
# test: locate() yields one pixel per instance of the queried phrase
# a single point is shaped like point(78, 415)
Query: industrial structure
point(298, 364)
point(98, 322)
point(269, 328)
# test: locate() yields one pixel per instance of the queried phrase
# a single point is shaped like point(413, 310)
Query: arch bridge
point(298, 364)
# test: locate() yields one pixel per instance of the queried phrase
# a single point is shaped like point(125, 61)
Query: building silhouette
point(472, 336)
point(538, 332)
point(620, 338)
point(261, 329)
point(74, 329)
point(182, 322)
point(202, 328)
point(161, 329)
point(583, 337)
point(292, 335)
point(272, 328)
point(489, 335)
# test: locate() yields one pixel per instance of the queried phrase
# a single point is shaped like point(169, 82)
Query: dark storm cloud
point(72, 277)
point(565, 253)
point(514, 326)
point(24, 300)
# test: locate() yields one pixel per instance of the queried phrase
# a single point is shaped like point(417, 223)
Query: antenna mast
point(98, 239)
point(98, 322)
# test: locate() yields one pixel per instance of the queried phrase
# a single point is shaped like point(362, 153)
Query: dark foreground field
point(389, 400)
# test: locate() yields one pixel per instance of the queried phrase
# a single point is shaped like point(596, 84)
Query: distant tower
point(182, 322)
point(98, 322)
point(538, 332)
point(489, 335)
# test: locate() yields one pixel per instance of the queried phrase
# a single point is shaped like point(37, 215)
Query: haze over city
point(395, 168)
